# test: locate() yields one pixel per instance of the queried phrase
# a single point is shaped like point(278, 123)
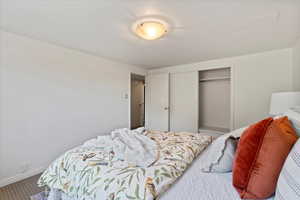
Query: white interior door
point(184, 102)
point(157, 102)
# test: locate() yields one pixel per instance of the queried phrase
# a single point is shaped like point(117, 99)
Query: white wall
point(52, 99)
point(255, 77)
point(296, 66)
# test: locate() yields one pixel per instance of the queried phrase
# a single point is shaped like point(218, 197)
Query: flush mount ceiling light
point(150, 29)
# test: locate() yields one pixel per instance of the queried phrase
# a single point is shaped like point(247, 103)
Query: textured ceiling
point(202, 29)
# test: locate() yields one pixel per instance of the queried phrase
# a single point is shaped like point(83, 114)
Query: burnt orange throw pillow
point(260, 155)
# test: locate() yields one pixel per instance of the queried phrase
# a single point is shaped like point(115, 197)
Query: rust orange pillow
point(260, 155)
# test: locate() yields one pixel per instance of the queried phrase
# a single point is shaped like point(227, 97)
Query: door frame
point(134, 76)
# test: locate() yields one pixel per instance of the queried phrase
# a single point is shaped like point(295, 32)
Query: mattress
point(194, 185)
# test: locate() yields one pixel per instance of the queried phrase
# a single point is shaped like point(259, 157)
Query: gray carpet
point(22, 190)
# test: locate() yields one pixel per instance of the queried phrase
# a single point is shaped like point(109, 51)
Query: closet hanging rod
point(214, 79)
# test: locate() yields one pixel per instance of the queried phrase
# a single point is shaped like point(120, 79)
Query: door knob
point(166, 108)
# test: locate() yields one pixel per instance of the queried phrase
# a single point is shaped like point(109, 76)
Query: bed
point(168, 178)
point(193, 185)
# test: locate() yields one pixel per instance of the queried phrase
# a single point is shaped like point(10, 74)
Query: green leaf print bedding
point(93, 172)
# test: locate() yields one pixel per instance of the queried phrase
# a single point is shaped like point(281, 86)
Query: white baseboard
point(19, 177)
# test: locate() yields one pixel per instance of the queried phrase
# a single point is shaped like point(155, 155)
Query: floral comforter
point(92, 173)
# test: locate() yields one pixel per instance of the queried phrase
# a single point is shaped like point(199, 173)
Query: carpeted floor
point(21, 190)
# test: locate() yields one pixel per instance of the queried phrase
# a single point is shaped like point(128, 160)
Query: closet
point(195, 101)
point(214, 100)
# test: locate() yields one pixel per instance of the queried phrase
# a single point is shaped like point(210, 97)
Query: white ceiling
point(202, 29)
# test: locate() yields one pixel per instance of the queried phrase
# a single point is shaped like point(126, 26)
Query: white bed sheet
point(196, 185)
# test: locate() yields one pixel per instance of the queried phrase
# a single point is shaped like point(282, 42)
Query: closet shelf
point(217, 130)
point(214, 79)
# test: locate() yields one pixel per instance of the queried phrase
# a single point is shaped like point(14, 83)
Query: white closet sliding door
point(157, 102)
point(184, 102)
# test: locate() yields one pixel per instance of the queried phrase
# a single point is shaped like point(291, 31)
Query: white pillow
point(218, 156)
point(294, 116)
point(288, 185)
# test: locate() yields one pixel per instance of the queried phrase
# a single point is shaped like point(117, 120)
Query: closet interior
point(214, 100)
